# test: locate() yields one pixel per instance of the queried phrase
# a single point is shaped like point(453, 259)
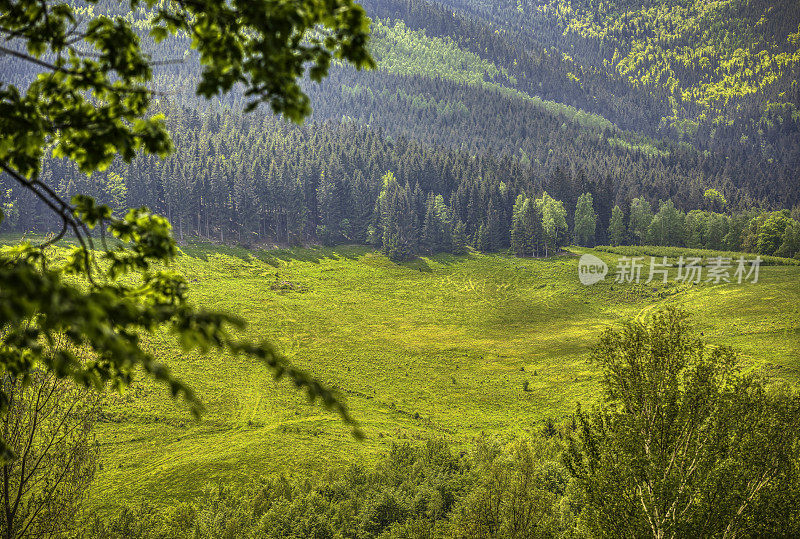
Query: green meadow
point(446, 347)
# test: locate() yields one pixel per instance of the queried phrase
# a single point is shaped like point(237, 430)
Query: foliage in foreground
point(49, 424)
point(425, 491)
point(685, 444)
point(89, 104)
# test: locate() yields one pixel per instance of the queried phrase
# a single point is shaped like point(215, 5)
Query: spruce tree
point(430, 236)
point(436, 231)
point(400, 223)
point(459, 239)
point(330, 210)
point(517, 227)
point(391, 245)
point(444, 217)
point(481, 238)
point(532, 224)
point(493, 228)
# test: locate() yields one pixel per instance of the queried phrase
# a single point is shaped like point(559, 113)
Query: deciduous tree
point(48, 424)
point(685, 444)
point(639, 219)
point(585, 220)
point(616, 227)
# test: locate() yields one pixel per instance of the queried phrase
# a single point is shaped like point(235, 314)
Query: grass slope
point(438, 347)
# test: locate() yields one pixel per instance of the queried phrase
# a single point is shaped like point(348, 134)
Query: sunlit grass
point(438, 347)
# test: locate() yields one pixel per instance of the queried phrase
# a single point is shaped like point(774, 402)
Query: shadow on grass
point(419, 264)
point(449, 259)
point(274, 257)
point(314, 254)
point(203, 250)
point(444, 259)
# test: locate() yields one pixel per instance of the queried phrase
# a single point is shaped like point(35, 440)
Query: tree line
point(256, 180)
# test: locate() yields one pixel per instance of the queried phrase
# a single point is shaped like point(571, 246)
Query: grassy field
point(439, 347)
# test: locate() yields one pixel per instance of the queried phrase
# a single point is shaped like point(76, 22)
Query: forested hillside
point(721, 74)
point(477, 105)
